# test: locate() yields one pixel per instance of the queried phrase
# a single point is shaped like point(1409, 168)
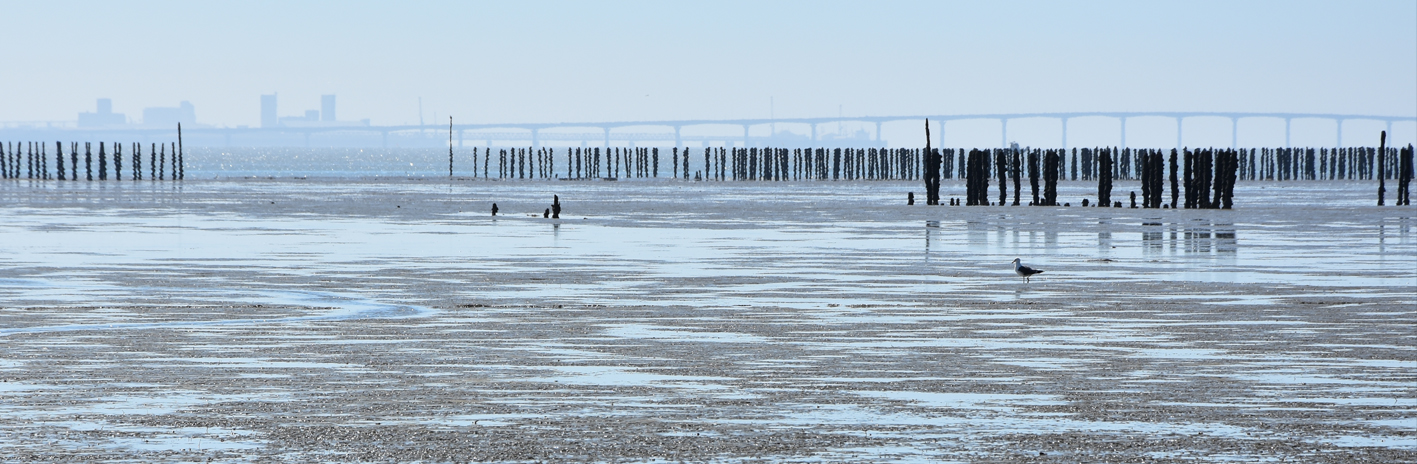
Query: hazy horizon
point(575, 61)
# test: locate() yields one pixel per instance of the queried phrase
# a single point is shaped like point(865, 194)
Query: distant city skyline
point(585, 61)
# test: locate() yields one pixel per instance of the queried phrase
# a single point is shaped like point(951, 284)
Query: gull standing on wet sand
point(1024, 271)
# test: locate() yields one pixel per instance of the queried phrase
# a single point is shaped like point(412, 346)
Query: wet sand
point(394, 320)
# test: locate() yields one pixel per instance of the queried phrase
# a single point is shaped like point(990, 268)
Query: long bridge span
point(672, 130)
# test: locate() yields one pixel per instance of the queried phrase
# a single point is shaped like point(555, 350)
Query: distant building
point(311, 118)
point(323, 117)
point(103, 117)
point(167, 117)
point(268, 111)
point(327, 108)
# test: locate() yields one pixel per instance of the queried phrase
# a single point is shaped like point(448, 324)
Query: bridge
point(535, 133)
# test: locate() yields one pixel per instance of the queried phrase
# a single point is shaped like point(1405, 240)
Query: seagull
point(1024, 271)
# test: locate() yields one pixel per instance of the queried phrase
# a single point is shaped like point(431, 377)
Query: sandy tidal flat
point(395, 320)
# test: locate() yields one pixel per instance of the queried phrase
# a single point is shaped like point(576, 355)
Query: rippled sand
point(381, 320)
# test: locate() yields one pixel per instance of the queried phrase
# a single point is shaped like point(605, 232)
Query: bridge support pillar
point(678, 138)
point(814, 135)
point(1179, 144)
point(607, 137)
point(535, 139)
point(1065, 132)
point(878, 131)
point(1234, 133)
point(1287, 124)
point(1123, 120)
point(1003, 132)
point(745, 136)
point(1338, 123)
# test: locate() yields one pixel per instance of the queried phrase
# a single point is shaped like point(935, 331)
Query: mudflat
point(397, 320)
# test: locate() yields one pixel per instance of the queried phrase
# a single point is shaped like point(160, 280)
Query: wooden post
point(178, 170)
point(117, 161)
point(59, 159)
point(1382, 157)
point(102, 163)
point(450, 146)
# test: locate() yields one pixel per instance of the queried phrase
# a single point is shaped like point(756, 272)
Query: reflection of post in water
point(1104, 235)
point(929, 225)
point(1207, 237)
point(1197, 239)
point(1173, 238)
point(1225, 242)
point(1152, 237)
point(976, 233)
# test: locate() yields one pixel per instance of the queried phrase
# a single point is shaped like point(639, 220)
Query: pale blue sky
point(605, 61)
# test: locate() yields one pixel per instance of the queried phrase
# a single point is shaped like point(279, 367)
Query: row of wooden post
point(1205, 172)
point(30, 160)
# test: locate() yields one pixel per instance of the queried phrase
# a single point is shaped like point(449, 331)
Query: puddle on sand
point(623, 377)
point(679, 334)
point(345, 307)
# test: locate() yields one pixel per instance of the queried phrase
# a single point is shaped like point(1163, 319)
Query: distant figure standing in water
point(494, 209)
point(1024, 271)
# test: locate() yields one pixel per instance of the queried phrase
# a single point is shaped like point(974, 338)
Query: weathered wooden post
point(1190, 179)
point(1033, 172)
point(179, 171)
point(449, 146)
point(1404, 173)
point(1016, 169)
point(1104, 177)
point(117, 161)
point(1143, 160)
point(88, 161)
point(102, 163)
point(932, 170)
point(59, 159)
point(1382, 157)
point(1050, 179)
point(73, 160)
point(1001, 166)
